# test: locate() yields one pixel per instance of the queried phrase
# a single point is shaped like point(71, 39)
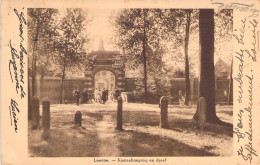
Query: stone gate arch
point(107, 75)
point(104, 61)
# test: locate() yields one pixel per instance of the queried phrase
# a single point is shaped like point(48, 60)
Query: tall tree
point(230, 88)
point(223, 39)
point(138, 36)
point(187, 68)
point(207, 72)
point(179, 25)
point(41, 29)
point(70, 43)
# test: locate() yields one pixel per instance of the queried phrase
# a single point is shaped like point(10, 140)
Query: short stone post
point(78, 118)
point(164, 112)
point(35, 112)
point(119, 113)
point(46, 118)
point(202, 113)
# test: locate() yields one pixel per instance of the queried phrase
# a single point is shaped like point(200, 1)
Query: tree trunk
point(187, 70)
point(144, 58)
point(230, 89)
point(62, 82)
point(34, 58)
point(29, 101)
point(207, 73)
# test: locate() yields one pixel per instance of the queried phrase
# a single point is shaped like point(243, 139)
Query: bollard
point(164, 112)
point(78, 118)
point(119, 113)
point(202, 113)
point(46, 114)
point(46, 118)
point(35, 112)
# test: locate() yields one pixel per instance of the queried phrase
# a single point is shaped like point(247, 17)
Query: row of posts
point(45, 115)
point(78, 115)
point(164, 113)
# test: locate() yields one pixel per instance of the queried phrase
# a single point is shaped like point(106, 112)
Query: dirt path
point(141, 136)
point(107, 135)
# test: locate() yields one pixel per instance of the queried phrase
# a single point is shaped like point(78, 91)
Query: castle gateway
point(105, 73)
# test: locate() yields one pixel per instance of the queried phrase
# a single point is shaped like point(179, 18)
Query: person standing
point(103, 98)
point(77, 95)
point(84, 96)
point(181, 98)
point(106, 95)
point(96, 95)
point(99, 95)
point(117, 94)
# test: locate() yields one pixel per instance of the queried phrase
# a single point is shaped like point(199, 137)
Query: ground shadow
point(141, 118)
point(143, 144)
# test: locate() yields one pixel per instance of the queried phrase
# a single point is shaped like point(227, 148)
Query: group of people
point(101, 96)
point(84, 96)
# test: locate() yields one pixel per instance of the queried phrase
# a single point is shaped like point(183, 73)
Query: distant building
point(222, 69)
point(105, 71)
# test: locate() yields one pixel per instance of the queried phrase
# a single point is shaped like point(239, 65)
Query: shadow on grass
point(191, 125)
point(140, 118)
point(143, 144)
point(61, 144)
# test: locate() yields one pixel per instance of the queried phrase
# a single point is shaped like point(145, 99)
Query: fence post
point(78, 118)
point(119, 113)
point(202, 113)
point(35, 112)
point(46, 118)
point(164, 112)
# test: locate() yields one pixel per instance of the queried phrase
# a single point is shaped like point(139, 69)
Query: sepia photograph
point(130, 82)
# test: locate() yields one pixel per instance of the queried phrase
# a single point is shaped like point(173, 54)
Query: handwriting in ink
point(236, 131)
point(240, 37)
point(239, 126)
point(249, 108)
point(251, 152)
point(13, 108)
point(239, 134)
point(239, 6)
point(12, 62)
point(239, 76)
point(252, 52)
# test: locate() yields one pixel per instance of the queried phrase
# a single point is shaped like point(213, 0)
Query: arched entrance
point(104, 79)
point(104, 74)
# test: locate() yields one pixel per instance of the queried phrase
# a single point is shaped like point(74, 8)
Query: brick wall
point(50, 87)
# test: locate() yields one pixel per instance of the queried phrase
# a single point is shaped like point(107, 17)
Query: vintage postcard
point(130, 82)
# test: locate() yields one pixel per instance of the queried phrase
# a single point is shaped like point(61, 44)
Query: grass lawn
point(141, 136)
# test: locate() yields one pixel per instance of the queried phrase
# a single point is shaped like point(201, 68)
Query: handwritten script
point(16, 69)
point(246, 37)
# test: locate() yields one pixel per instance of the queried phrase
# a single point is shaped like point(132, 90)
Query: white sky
point(100, 27)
